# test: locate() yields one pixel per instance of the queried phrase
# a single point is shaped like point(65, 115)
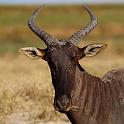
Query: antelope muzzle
point(62, 104)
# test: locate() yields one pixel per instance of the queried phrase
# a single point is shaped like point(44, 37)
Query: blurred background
point(26, 92)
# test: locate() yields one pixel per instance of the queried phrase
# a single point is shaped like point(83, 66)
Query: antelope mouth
point(69, 108)
point(63, 109)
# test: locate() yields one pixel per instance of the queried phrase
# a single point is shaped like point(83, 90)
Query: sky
point(57, 1)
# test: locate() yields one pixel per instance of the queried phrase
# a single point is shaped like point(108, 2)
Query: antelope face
point(62, 58)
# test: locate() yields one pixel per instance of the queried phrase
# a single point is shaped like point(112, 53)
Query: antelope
point(84, 98)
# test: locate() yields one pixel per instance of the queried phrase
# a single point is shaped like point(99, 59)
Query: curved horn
point(47, 38)
point(75, 38)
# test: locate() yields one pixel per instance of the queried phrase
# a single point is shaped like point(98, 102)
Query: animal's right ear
point(32, 52)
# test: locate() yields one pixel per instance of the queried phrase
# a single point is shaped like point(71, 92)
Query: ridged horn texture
point(76, 37)
point(47, 38)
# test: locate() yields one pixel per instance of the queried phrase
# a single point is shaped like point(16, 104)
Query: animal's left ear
point(93, 49)
point(32, 52)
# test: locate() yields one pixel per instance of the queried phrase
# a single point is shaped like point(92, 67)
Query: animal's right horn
point(47, 38)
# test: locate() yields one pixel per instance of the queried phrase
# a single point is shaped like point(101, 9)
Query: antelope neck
point(85, 90)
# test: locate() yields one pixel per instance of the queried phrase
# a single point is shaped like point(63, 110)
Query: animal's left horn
point(76, 37)
point(47, 38)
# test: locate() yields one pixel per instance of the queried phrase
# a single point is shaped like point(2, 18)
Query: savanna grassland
point(26, 92)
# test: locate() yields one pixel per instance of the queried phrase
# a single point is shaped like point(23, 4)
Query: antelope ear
point(93, 49)
point(32, 52)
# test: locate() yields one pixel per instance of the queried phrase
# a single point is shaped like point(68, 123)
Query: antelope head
point(62, 57)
